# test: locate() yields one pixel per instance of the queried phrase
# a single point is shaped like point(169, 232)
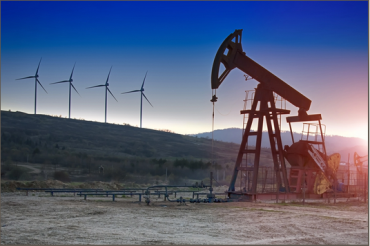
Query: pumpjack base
point(240, 196)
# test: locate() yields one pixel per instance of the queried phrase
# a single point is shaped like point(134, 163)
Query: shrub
point(175, 180)
point(15, 173)
point(206, 181)
point(8, 165)
point(228, 179)
point(62, 176)
point(117, 175)
point(36, 151)
point(25, 176)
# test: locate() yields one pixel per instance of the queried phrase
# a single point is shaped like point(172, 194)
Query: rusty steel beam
point(300, 118)
point(281, 111)
point(270, 81)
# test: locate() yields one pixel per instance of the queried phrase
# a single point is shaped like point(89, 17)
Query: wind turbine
point(141, 104)
point(106, 89)
point(36, 81)
point(70, 85)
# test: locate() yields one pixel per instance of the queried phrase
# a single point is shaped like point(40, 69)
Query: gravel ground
point(41, 219)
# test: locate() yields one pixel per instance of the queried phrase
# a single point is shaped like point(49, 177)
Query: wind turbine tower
point(70, 85)
point(36, 81)
point(106, 90)
point(141, 102)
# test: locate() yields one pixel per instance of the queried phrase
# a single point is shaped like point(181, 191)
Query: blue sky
point(319, 48)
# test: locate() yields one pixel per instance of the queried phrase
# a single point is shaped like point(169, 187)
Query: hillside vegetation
point(334, 144)
point(125, 152)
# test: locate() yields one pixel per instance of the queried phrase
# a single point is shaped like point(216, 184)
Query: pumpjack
point(299, 154)
point(358, 161)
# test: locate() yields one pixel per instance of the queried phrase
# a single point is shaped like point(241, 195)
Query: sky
point(318, 48)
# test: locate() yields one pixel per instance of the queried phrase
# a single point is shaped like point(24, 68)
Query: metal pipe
point(291, 133)
point(211, 189)
point(182, 200)
point(348, 175)
point(148, 193)
point(304, 183)
point(335, 188)
point(365, 186)
point(323, 143)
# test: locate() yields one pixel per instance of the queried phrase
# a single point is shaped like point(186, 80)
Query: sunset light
point(184, 122)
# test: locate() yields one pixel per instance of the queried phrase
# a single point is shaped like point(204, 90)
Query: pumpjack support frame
point(267, 110)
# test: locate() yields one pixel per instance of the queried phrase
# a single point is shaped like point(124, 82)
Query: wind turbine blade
point(64, 81)
point(72, 71)
point(42, 86)
point(111, 94)
point(38, 67)
point(108, 75)
point(142, 86)
point(75, 89)
point(130, 91)
point(147, 100)
point(29, 77)
point(95, 86)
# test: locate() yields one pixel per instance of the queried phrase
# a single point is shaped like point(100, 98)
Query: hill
point(80, 146)
point(53, 144)
point(101, 139)
point(334, 144)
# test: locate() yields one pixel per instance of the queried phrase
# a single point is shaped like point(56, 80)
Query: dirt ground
point(65, 219)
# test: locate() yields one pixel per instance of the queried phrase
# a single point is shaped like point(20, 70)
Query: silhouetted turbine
point(70, 85)
point(141, 104)
point(36, 81)
point(106, 89)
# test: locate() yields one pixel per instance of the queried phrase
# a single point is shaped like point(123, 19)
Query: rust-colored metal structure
point(231, 55)
point(359, 160)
